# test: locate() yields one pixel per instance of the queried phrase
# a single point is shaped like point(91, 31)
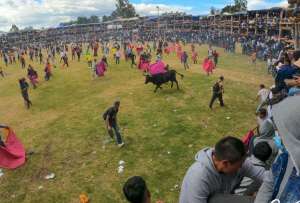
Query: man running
point(218, 91)
point(110, 117)
point(24, 91)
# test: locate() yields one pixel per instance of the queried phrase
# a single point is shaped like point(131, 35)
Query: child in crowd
point(261, 154)
point(136, 191)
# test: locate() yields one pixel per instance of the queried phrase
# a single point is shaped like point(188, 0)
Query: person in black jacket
point(110, 117)
point(218, 91)
point(132, 57)
point(24, 91)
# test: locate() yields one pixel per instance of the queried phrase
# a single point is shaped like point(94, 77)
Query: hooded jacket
point(267, 133)
point(202, 180)
point(283, 181)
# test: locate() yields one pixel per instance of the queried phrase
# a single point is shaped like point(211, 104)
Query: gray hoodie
point(266, 134)
point(202, 180)
point(286, 115)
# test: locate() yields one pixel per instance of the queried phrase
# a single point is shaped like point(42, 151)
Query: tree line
point(124, 9)
point(239, 5)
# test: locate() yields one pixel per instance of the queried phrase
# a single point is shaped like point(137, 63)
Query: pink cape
point(101, 68)
point(13, 154)
point(208, 65)
point(144, 65)
point(33, 79)
point(156, 68)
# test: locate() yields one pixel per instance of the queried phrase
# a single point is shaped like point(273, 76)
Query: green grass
point(66, 131)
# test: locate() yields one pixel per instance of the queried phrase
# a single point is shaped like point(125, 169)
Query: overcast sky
point(49, 13)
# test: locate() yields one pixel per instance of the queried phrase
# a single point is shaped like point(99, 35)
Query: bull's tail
point(182, 76)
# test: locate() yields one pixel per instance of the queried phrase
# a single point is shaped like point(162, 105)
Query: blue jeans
point(278, 170)
point(293, 91)
point(115, 131)
point(291, 192)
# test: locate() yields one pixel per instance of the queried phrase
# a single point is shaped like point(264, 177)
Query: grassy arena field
point(162, 131)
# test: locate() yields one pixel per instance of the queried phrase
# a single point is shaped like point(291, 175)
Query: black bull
point(162, 78)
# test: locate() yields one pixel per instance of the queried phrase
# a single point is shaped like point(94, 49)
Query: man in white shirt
point(263, 93)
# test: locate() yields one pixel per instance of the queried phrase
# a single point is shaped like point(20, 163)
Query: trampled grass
point(162, 131)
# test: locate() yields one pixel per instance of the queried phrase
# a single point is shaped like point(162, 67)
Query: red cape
point(13, 154)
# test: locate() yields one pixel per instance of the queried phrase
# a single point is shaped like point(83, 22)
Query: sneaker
point(121, 145)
